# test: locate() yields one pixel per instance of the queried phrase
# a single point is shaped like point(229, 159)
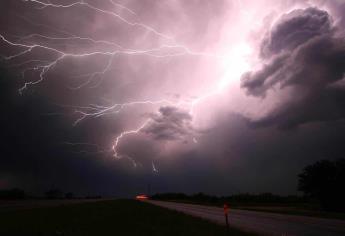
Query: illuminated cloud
point(171, 123)
point(294, 29)
point(302, 54)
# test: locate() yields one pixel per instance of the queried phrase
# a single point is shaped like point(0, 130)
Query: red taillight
point(141, 197)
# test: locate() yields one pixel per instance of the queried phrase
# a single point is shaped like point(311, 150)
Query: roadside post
point(226, 213)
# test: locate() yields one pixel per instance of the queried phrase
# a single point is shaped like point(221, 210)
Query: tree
point(325, 181)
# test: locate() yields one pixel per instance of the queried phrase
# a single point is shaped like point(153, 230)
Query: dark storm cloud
point(171, 123)
point(301, 54)
point(33, 150)
point(294, 29)
point(266, 158)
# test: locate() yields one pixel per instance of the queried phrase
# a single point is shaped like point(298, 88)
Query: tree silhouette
point(325, 181)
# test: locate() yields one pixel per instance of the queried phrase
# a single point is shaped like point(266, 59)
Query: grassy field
point(115, 217)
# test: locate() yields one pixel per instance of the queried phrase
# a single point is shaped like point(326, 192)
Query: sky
point(221, 97)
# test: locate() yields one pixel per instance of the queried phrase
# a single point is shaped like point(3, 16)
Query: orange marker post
point(226, 212)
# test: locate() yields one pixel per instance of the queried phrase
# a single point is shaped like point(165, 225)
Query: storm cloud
point(301, 53)
point(171, 123)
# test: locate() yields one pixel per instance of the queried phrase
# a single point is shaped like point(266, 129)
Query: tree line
point(322, 183)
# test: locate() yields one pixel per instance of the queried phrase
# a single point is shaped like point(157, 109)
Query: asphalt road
point(262, 222)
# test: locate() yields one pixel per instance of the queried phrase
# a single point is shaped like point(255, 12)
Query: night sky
point(222, 96)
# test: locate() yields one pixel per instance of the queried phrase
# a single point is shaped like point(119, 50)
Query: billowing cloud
point(171, 123)
point(301, 54)
point(294, 29)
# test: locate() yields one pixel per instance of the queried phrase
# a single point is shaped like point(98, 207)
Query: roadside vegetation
point(113, 217)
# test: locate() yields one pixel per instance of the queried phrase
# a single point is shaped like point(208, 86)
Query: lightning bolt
point(43, 5)
point(26, 45)
point(154, 169)
point(123, 7)
point(123, 134)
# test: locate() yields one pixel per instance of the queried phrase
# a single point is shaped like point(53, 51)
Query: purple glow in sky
point(229, 86)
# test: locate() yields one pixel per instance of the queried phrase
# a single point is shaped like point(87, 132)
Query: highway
point(261, 222)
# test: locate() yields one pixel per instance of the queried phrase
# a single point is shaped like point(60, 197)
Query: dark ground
point(112, 217)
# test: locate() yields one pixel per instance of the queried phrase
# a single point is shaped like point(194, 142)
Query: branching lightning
point(26, 45)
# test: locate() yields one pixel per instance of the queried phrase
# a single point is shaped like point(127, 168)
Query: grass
point(115, 217)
